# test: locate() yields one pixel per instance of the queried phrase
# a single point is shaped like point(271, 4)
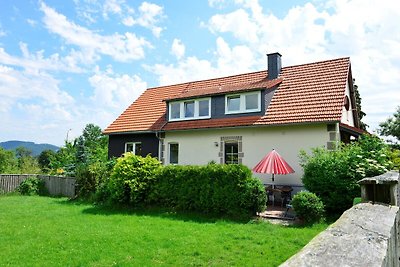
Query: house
point(240, 118)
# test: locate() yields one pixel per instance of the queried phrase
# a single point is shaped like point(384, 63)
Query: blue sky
point(64, 64)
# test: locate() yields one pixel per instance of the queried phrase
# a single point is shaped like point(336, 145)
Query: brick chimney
point(274, 65)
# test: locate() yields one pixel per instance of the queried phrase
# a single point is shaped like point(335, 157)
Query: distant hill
point(35, 148)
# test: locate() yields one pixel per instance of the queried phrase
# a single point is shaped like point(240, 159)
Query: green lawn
point(42, 231)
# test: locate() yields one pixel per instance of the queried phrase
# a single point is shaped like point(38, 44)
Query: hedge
point(222, 189)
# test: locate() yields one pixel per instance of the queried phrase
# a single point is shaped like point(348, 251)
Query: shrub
point(132, 178)
point(333, 175)
point(308, 207)
point(91, 177)
point(32, 186)
point(222, 189)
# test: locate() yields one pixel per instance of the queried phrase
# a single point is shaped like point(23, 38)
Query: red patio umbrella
point(273, 164)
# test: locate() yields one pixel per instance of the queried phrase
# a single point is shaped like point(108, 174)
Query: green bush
point(32, 186)
point(91, 177)
point(222, 189)
point(308, 207)
point(132, 178)
point(333, 175)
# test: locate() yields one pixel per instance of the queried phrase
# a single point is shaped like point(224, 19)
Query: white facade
point(199, 147)
point(347, 114)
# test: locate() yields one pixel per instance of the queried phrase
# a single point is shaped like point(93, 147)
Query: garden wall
point(56, 185)
point(365, 235)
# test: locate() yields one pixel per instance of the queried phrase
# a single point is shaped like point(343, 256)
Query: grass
point(43, 231)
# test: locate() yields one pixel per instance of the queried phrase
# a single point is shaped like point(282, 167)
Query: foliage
point(32, 186)
point(395, 158)
point(221, 189)
point(8, 161)
point(391, 127)
point(360, 113)
point(333, 175)
point(356, 200)
point(308, 206)
point(132, 178)
point(45, 158)
point(92, 178)
point(88, 235)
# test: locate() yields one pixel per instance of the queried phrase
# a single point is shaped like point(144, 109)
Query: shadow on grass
point(154, 211)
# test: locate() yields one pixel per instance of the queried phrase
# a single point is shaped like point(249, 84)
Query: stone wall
point(365, 235)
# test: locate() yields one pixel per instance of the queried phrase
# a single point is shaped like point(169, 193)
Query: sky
point(64, 64)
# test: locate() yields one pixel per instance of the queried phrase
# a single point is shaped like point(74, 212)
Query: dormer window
point(243, 103)
point(190, 109)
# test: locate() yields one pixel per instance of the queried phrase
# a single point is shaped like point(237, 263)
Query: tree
point(8, 161)
point(45, 158)
point(391, 127)
point(360, 113)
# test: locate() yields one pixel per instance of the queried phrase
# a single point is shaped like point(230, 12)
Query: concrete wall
point(199, 147)
point(365, 235)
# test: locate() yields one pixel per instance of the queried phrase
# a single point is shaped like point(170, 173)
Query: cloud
point(235, 60)
point(123, 48)
point(178, 48)
point(112, 90)
point(149, 16)
point(112, 6)
point(37, 61)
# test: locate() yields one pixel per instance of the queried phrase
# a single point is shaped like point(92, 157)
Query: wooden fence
point(56, 185)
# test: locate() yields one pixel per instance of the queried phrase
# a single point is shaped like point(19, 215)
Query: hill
point(35, 148)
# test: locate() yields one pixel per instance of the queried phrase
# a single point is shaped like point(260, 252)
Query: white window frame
point(196, 110)
point(169, 153)
point(134, 146)
point(242, 108)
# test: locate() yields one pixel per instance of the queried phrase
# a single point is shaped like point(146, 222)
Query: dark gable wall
point(218, 106)
point(116, 143)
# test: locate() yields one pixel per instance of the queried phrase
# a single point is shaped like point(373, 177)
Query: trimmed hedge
point(222, 189)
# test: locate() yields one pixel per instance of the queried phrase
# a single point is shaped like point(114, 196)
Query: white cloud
point(112, 6)
point(126, 47)
point(16, 85)
point(31, 22)
point(113, 90)
point(229, 61)
point(37, 61)
point(149, 16)
point(178, 48)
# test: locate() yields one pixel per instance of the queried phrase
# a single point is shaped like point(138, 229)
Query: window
point(135, 148)
point(175, 111)
point(204, 108)
point(231, 153)
point(251, 101)
point(173, 153)
point(190, 109)
point(242, 103)
point(234, 103)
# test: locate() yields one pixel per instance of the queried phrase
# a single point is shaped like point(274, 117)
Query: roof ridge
point(189, 83)
point(316, 62)
point(210, 79)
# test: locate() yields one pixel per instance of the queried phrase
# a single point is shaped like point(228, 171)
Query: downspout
point(160, 152)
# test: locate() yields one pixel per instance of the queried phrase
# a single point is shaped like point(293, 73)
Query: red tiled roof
point(306, 93)
point(190, 92)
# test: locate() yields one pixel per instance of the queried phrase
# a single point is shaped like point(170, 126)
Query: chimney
point(274, 65)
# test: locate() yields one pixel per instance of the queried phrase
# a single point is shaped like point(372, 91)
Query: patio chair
point(286, 194)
